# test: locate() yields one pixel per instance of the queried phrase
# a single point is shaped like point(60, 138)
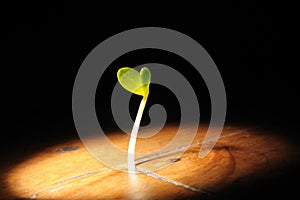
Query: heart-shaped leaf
point(133, 81)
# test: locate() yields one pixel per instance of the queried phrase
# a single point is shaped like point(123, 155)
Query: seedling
point(136, 83)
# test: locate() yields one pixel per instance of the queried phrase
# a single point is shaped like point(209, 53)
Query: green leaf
point(133, 81)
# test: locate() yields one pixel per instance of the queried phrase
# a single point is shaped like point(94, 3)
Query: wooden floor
point(241, 155)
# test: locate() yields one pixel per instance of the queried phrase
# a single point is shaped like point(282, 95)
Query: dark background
point(43, 46)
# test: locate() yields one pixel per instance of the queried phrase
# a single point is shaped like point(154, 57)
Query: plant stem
point(133, 135)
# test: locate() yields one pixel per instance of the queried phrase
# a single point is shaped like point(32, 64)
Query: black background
point(43, 46)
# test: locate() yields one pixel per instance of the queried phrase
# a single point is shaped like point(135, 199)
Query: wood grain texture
point(237, 158)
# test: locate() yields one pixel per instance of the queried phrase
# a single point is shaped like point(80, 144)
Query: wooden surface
point(237, 158)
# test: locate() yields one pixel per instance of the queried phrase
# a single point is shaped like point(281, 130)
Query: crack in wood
point(154, 175)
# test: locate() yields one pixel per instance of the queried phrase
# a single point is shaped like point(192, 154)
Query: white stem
point(133, 135)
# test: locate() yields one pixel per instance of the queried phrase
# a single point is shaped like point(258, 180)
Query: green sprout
point(136, 83)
